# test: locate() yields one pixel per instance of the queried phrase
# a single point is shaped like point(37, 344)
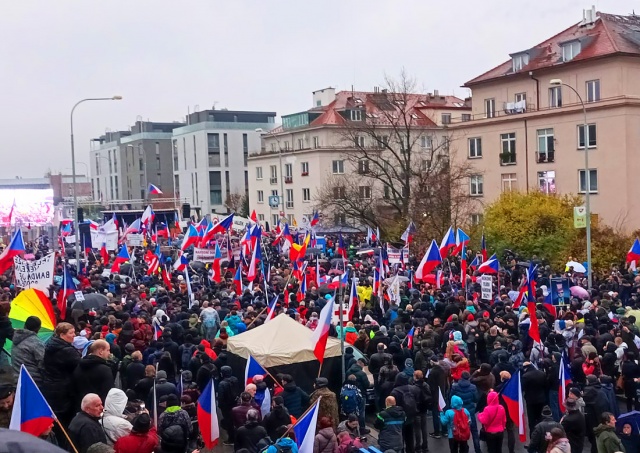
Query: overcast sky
point(165, 56)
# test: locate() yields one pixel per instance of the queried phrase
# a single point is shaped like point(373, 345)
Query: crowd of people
point(126, 376)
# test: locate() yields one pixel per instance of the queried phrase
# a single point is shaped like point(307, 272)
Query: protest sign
point(36, 274)
point(486, 283)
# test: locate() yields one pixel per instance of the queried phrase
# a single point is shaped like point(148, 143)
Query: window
point(274, 174)
point(275, 219)
point(570, 50)
point(176, 185)
point(304, 167)
point(286, 145)
point(509, 182)
point(260, 217)
point(306, 195)
point(364, 192)
point(593, 90)
point(213, 149)
point(356, 115)
point(359, 141)
point(215, 187)
point(339, 193)
point(446, 118)
point(184, 151)
point(555, 97)
point(274, 193)
point(288, 173)
point(363, 166)
point(591, 136)
point(547, 181)
point(316, 141)
point(520, 61)
point(300, 143)
point(195, 175)
point(339, 218)
point(383, 142)
point(227, 186)
point(476, 219)
point(476, 185)
point(592, 184)
point(289, 198)
point(489, 108)
point(546, 145)
point(508, 154)
point(115, 161)
point(426, 142)
point(338, 167)
point(260, 196)
point(475, 147)
point(176, 165)
point(466, 117)
point(245, 148)
point(521, 97)
point(225, 146)
point(273, 147)
point(195, 159)
point(258, 172)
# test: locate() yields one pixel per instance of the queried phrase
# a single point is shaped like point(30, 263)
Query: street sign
point(579, 217)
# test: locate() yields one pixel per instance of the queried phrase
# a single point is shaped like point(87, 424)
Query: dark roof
point(610, 34)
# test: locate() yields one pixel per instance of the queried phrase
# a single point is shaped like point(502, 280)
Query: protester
point(85, 429)
point(143, 438)
point(113, 422)
point(607, 440)
point(279, 416)
point(454, 420)
point(325, 440)
point(28, 349)
point(250, 434)
point(7, 398)
point(328, 404)
point(494, 422)
point(93, 374)
point(295, 399)
point(390, 423)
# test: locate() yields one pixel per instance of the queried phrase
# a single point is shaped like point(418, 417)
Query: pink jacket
point(493, 417)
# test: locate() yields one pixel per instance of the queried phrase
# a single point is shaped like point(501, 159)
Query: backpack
point(349, 403)
point(187, 352)
point(461, 429)
point(409, 404)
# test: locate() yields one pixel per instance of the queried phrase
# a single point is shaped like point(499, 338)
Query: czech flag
point(410, 338)
point(208, 417)
point(147, 216)
point(166, 278)
point(237, 281)
point(483, 247)
point(341, 250)
point(223, 225)
point(191, 238)
point(634, 252)
point(491, 266)
point(31, 412)
point(315, 219)
point(430, 261)
point(475, 263)
point(354, 301)
point(121, 257)
point(461, 241)
point(216, 271)
point(181, 263)
point(448, 242)
point(104, 254)
point(302, 289)
point(271, 312)
point(564, 379)
point(512, 395)
point(15, 248)
point(305, 429)
point(154, 190)
point(68, 288)
point(534, 331)
point(321, 334)
point(407, 236)
point(253, 268)
point(252, 370)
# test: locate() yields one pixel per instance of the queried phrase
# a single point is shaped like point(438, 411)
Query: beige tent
point(282, 341)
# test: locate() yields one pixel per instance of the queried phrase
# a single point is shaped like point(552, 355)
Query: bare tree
point(235, 202)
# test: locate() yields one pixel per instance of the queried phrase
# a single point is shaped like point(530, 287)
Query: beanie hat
point(141, 423)
point(32, 323)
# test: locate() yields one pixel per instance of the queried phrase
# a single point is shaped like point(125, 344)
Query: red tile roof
point(610, 34)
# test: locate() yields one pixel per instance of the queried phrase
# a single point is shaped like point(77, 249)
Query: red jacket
point(137, 442)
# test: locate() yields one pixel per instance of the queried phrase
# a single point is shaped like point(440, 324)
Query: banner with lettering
point(36, 274)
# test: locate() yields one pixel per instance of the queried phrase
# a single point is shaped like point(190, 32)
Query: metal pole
point(281, 178)
point(342, 330)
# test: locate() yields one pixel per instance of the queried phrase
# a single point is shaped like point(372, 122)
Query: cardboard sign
point(486, 283)
point(135, 239)
point(34, 274)
point(79, 296)
point(101, 236)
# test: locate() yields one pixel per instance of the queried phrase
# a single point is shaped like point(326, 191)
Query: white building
point(210, 156)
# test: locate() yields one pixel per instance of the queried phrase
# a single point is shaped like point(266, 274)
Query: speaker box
point(186, 211)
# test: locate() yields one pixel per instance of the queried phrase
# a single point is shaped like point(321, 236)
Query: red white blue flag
point(512, 395)
point(31, 412)
point(208, 417)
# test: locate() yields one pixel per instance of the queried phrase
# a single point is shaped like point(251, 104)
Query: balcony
point(288, 179)
point(545, 157)
point(507, 159)
point(273, 180)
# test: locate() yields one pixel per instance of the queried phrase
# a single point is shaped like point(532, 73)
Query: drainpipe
point(537, 90)
point(526, 155)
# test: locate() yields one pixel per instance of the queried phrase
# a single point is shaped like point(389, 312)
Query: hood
point(287, 443)
point(492, 399)
point(351, 329)
point(457, 336)
point(401, 379)
point(456, 402)
point(91, 361)
point(206, 344)
point(516, 346)
point(115, 402)
point(327, 433)
point(563, 445)
point(19, 335)
point(602, 428)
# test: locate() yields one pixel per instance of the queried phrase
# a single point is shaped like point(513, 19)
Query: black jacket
point(389, 422)
point(92, 375)
point(248, 436)
point(377, 361)
point(576, 428)
point(133, 374)
point(295, 399)
point(228, 392)
point(404, 391)
point(533, 385)
point(60, 361)
point(596, 403)
point(538, 443)
point(426, 400)
point(85, 431)
point(278, 416)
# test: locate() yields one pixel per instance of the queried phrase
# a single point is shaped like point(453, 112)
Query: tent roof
point(281, 341)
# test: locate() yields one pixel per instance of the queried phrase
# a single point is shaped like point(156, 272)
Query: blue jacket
point(284, 442)
point(446, 418)
point(467, 393)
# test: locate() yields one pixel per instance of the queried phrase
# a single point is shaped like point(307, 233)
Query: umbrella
point(577, 267)
point(197, 265)
point(92, 300)
point(335, 272)
point(313, 251)
point(431, 279)
point(632, 418)
point(21, 442)
point(32, 302)
point(336, 261)
point(401, 279)
point(579, 291)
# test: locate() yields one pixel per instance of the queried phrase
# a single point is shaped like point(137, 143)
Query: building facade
point(526, 130)
point(209, 156)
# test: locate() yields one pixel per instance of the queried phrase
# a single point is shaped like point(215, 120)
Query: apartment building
point(286, 178)
point(526, 130)
point(124, 163)
point(209, 156)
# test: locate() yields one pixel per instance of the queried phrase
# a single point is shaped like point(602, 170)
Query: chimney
point(588, 16)
point(324, 97)
point(435, 92)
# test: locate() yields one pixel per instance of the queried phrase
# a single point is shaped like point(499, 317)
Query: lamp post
point(260, 130)
point(73, 173)
point(587, 179)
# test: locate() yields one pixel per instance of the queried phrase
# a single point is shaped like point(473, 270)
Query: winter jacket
point(389, 423)
point(347, 442)
point(467, 393)
point(446, 418)
point(278, 416)
point(85, 431)
point(28, 350)
point(631, 442)
point(325, 441)
point(137, 442)
point(133, 374)
point(596, 403)
point(376, 362)
point(533, 385)
point(607, 440)
point(285, 444)
point(239, 413)
point(60, 361)
point(425, 402)
point(328, 404)
point(92, 375)
point(461, 367)
point(295, 399)
point(361, 378)
point(114, 424)
point(576, 428)
point(174, 415)
point(483, 382)
point(538, 442)
point(248, 436)
point(493, 417)
point(403, 392)
point(228, 392)
point(561, 445)
point(437, 379)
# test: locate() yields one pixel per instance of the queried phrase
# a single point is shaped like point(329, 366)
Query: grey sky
point(163, 56)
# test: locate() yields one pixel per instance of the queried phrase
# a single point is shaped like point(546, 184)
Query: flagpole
point(64, 431)
point(342, 330)
point(291, 426)
point(261, 311)
point(268, 374)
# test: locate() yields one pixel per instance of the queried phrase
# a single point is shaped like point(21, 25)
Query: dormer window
point(520, 60)
point(570, 50)
point(356, 115)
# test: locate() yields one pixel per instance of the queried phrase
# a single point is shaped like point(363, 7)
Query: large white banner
point(100, 236)
point(486, 285)
point(34, 274)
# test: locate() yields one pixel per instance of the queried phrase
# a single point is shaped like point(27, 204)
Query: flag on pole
point(432, 258)
point(512, 395)
point(154, 190)
point(441, 402)
point(208, 417)
point(563, 381)
point(305, 428)
point(166, 278)
point(271, 311)
point(321, 334)
point(188, 281)
point(448, 243)
point(104, 254)
point(461, 241)
point(534, 331)
point(15, 248)
point(147, 217)
point(252, 370)
point(216, 270)
point(483, 247)
point(31, 412)
point(237, 281)
point(122, 257)
point(407, 236)
point(191, 238)
point(68, 288)
point(410, 338)
point(490, 266)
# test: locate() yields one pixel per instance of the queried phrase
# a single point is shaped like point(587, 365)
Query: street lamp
point(260, 130)
point(73, 172)
point(587, 179)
